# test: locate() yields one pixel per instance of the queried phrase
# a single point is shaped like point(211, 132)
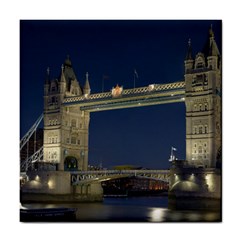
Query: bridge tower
point(203, 105)
point(65, 128)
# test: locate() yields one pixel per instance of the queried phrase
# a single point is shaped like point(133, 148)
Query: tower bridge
point(67, 108)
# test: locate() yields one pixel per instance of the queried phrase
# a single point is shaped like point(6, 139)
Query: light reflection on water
point(134, 209)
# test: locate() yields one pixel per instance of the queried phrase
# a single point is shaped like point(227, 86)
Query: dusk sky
point(156, 49)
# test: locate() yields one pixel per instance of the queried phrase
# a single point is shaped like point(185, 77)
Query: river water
point(133, 209)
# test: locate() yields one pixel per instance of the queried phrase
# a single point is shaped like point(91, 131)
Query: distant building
point(134, 185)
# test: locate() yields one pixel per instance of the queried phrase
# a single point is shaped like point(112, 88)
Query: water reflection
point(157, 214)
point(139, 209)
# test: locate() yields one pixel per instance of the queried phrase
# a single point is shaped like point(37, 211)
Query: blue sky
point(156, 49)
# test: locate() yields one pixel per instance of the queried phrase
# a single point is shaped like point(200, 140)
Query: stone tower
point(203, 105)
point(65, 128)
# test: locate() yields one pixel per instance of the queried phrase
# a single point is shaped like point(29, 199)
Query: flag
point(174, 149)
point(105, 77)
point(135, 73)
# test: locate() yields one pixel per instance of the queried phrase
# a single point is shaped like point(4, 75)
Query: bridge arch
point(70, 163)
point(186, 186)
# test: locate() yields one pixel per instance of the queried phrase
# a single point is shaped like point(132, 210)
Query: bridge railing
point(78, 177)
point(126, 92)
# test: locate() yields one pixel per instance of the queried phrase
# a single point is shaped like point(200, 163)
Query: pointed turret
point(62, 81)
point(212, 51)
point(62, 78)
point(47, 82)
point(188, 60)
point(68, 61)
point(68, 72)
point(47, 79)
point(86, 89)
point(189, 51)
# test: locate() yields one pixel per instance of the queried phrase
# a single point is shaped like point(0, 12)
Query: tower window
point(200, 149)
point(73, 140)
point(195, 107)
point(78, 142)
point(206, 129)
point(199, 65)
point(73, 123)
point(205, 106)
point(68, 140)
point(195, 130)
point(200, 130)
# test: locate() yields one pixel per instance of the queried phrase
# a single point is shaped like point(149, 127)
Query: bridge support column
point(194, 188)
point(55, 186)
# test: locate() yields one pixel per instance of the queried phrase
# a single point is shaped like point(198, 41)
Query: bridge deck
point(144, 96)
point(82, 177)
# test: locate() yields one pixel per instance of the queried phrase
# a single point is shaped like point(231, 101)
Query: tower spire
point(47, 79)
point(189, 50)
point(213, 49)
point(62, 78)
point(86, 89)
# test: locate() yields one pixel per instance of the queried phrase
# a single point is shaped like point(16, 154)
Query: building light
point(151, 87)
point(50, 184)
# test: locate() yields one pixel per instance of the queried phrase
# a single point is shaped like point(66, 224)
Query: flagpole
point(134, 80)
point(102, 84)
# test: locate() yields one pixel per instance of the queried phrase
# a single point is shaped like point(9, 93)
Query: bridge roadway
point(136, 97)
point(83, 177)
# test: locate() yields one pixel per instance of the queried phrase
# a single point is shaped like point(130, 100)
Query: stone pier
point(194, 188)
point(55, 186)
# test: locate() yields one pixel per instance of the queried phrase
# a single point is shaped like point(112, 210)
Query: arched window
point(205, 128)
point(70, 163)
point(73, 123)
point(195, 130)
point(205, 106)
point(73, 140)
point(195, 107)
point(200, 130)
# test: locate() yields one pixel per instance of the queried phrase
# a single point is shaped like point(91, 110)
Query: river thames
point(133, 209)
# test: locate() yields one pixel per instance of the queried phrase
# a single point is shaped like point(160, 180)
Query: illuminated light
point(172, 95)
point(192, 174)
point(37, 178)
point(183, 99)
point(151, 87)
point(175, 174)
point(139, 103)
point(51, 184)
